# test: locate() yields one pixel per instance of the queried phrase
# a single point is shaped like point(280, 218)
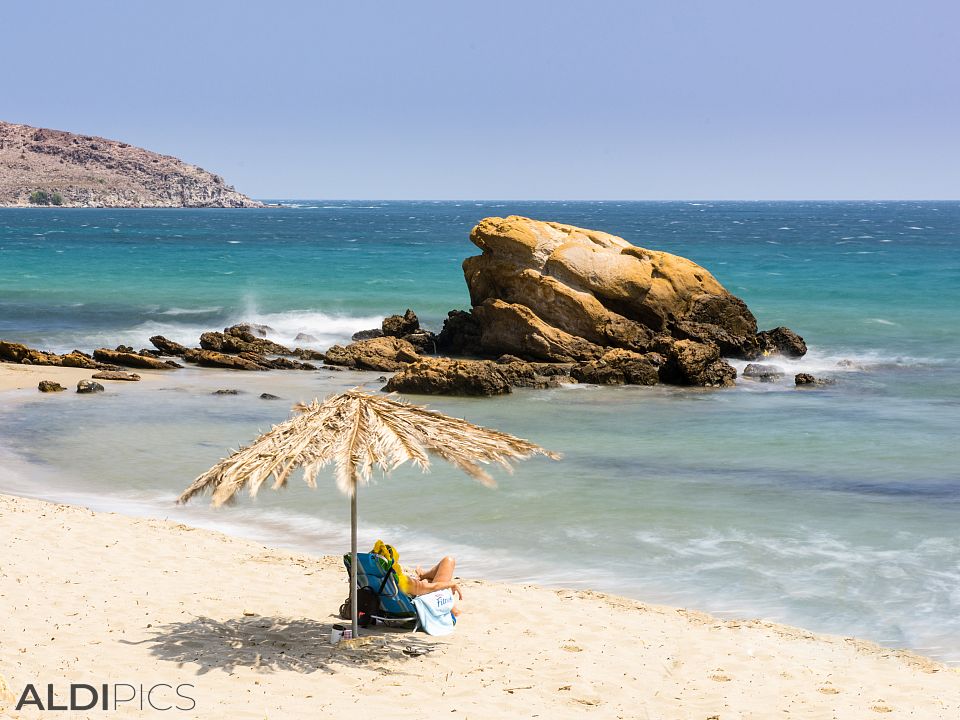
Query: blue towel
point(433, 609)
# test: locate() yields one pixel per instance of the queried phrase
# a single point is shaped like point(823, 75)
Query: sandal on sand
point(416, 651)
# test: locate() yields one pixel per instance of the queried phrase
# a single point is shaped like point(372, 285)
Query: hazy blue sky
point(636, 100)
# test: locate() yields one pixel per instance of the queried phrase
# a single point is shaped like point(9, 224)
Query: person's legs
point(441, 572)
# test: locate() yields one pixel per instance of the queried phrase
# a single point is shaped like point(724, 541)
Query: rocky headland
point(551, 304)
point(52, 167)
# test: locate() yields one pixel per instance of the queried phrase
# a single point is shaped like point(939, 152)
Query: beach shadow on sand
point(272, 644)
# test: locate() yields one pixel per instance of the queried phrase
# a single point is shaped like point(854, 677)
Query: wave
point(191, 311)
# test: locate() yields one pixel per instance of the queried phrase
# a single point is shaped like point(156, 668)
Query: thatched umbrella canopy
point(356, 431)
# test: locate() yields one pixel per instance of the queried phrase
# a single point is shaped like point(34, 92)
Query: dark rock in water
point(116, 375)
point(781, 341)
point(619, 367)
point(382, 378)
point(269, 396)
point(168, 347)
point(401, 325)
point(306, 354)
point(226, 392)
point(279, 363)
point(763, 373)
point(424, 341)
point(383, 353)
point(442, 376)
point(304, 337)
point(808, 379)
point(148, 351)
point(89, 386)
point(367, 334)
point(688, 362)
point(132, 359)
point(461, 334)
point(209, 358)
point(239, 341)
point(50, 386)
point(125, 349)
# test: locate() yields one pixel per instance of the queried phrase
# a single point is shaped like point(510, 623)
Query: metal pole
point(353, 558)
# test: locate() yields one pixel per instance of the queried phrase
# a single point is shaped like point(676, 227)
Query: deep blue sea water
point(836, 509)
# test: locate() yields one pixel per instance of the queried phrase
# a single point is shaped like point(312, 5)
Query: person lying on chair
point(439, 577)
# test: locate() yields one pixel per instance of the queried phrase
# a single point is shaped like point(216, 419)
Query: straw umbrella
point(356, 431)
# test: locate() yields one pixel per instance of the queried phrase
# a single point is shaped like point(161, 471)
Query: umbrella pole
point(353, 559)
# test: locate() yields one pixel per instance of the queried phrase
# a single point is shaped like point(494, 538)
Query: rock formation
point(126, 358)
point(379, 353)
point(51, 167)
point(558, 292)
point(442, 376)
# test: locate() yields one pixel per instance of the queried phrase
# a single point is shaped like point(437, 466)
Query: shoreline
point(14, 376)
point(153, 601)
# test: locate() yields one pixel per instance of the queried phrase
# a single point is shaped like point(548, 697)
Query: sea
point(834, 508)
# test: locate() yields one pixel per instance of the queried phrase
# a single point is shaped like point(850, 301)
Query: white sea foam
point(192, 311)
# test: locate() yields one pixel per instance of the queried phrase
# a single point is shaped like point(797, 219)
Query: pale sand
point(103, 598)
point(21, 377)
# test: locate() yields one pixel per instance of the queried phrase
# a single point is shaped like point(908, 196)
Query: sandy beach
point(242, 630)
point(23, 377)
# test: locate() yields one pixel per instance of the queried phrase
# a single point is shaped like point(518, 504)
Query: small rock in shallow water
point(305, 337)
point(225, 392)
point(115, 375)
point(808, 379)
point(50, 386)
point(269, 396)
point(89, 386)
point(763, 373)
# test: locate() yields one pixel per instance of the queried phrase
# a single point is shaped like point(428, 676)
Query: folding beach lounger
point(394, 607)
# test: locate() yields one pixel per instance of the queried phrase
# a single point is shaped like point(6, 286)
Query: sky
point(688, 99)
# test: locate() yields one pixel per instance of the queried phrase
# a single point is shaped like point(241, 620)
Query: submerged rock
point(442, 376)
point(806, 379)
point(269, 396)
point(230, 391)
point(116, 375)
point(89, 386)
point(763, 373)
point(50, 386)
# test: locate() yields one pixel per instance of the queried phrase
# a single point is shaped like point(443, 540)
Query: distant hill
point(53, 167)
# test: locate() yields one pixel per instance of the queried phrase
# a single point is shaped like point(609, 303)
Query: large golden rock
point(558, 292)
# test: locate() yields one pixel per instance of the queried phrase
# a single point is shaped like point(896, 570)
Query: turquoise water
point(834, 509)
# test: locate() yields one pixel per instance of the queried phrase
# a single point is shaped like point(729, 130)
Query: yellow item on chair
point(390, 554)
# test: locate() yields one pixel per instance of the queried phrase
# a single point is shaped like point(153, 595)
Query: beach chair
point(376, 574)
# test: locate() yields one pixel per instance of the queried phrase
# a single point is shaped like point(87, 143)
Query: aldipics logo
point(108, 696)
